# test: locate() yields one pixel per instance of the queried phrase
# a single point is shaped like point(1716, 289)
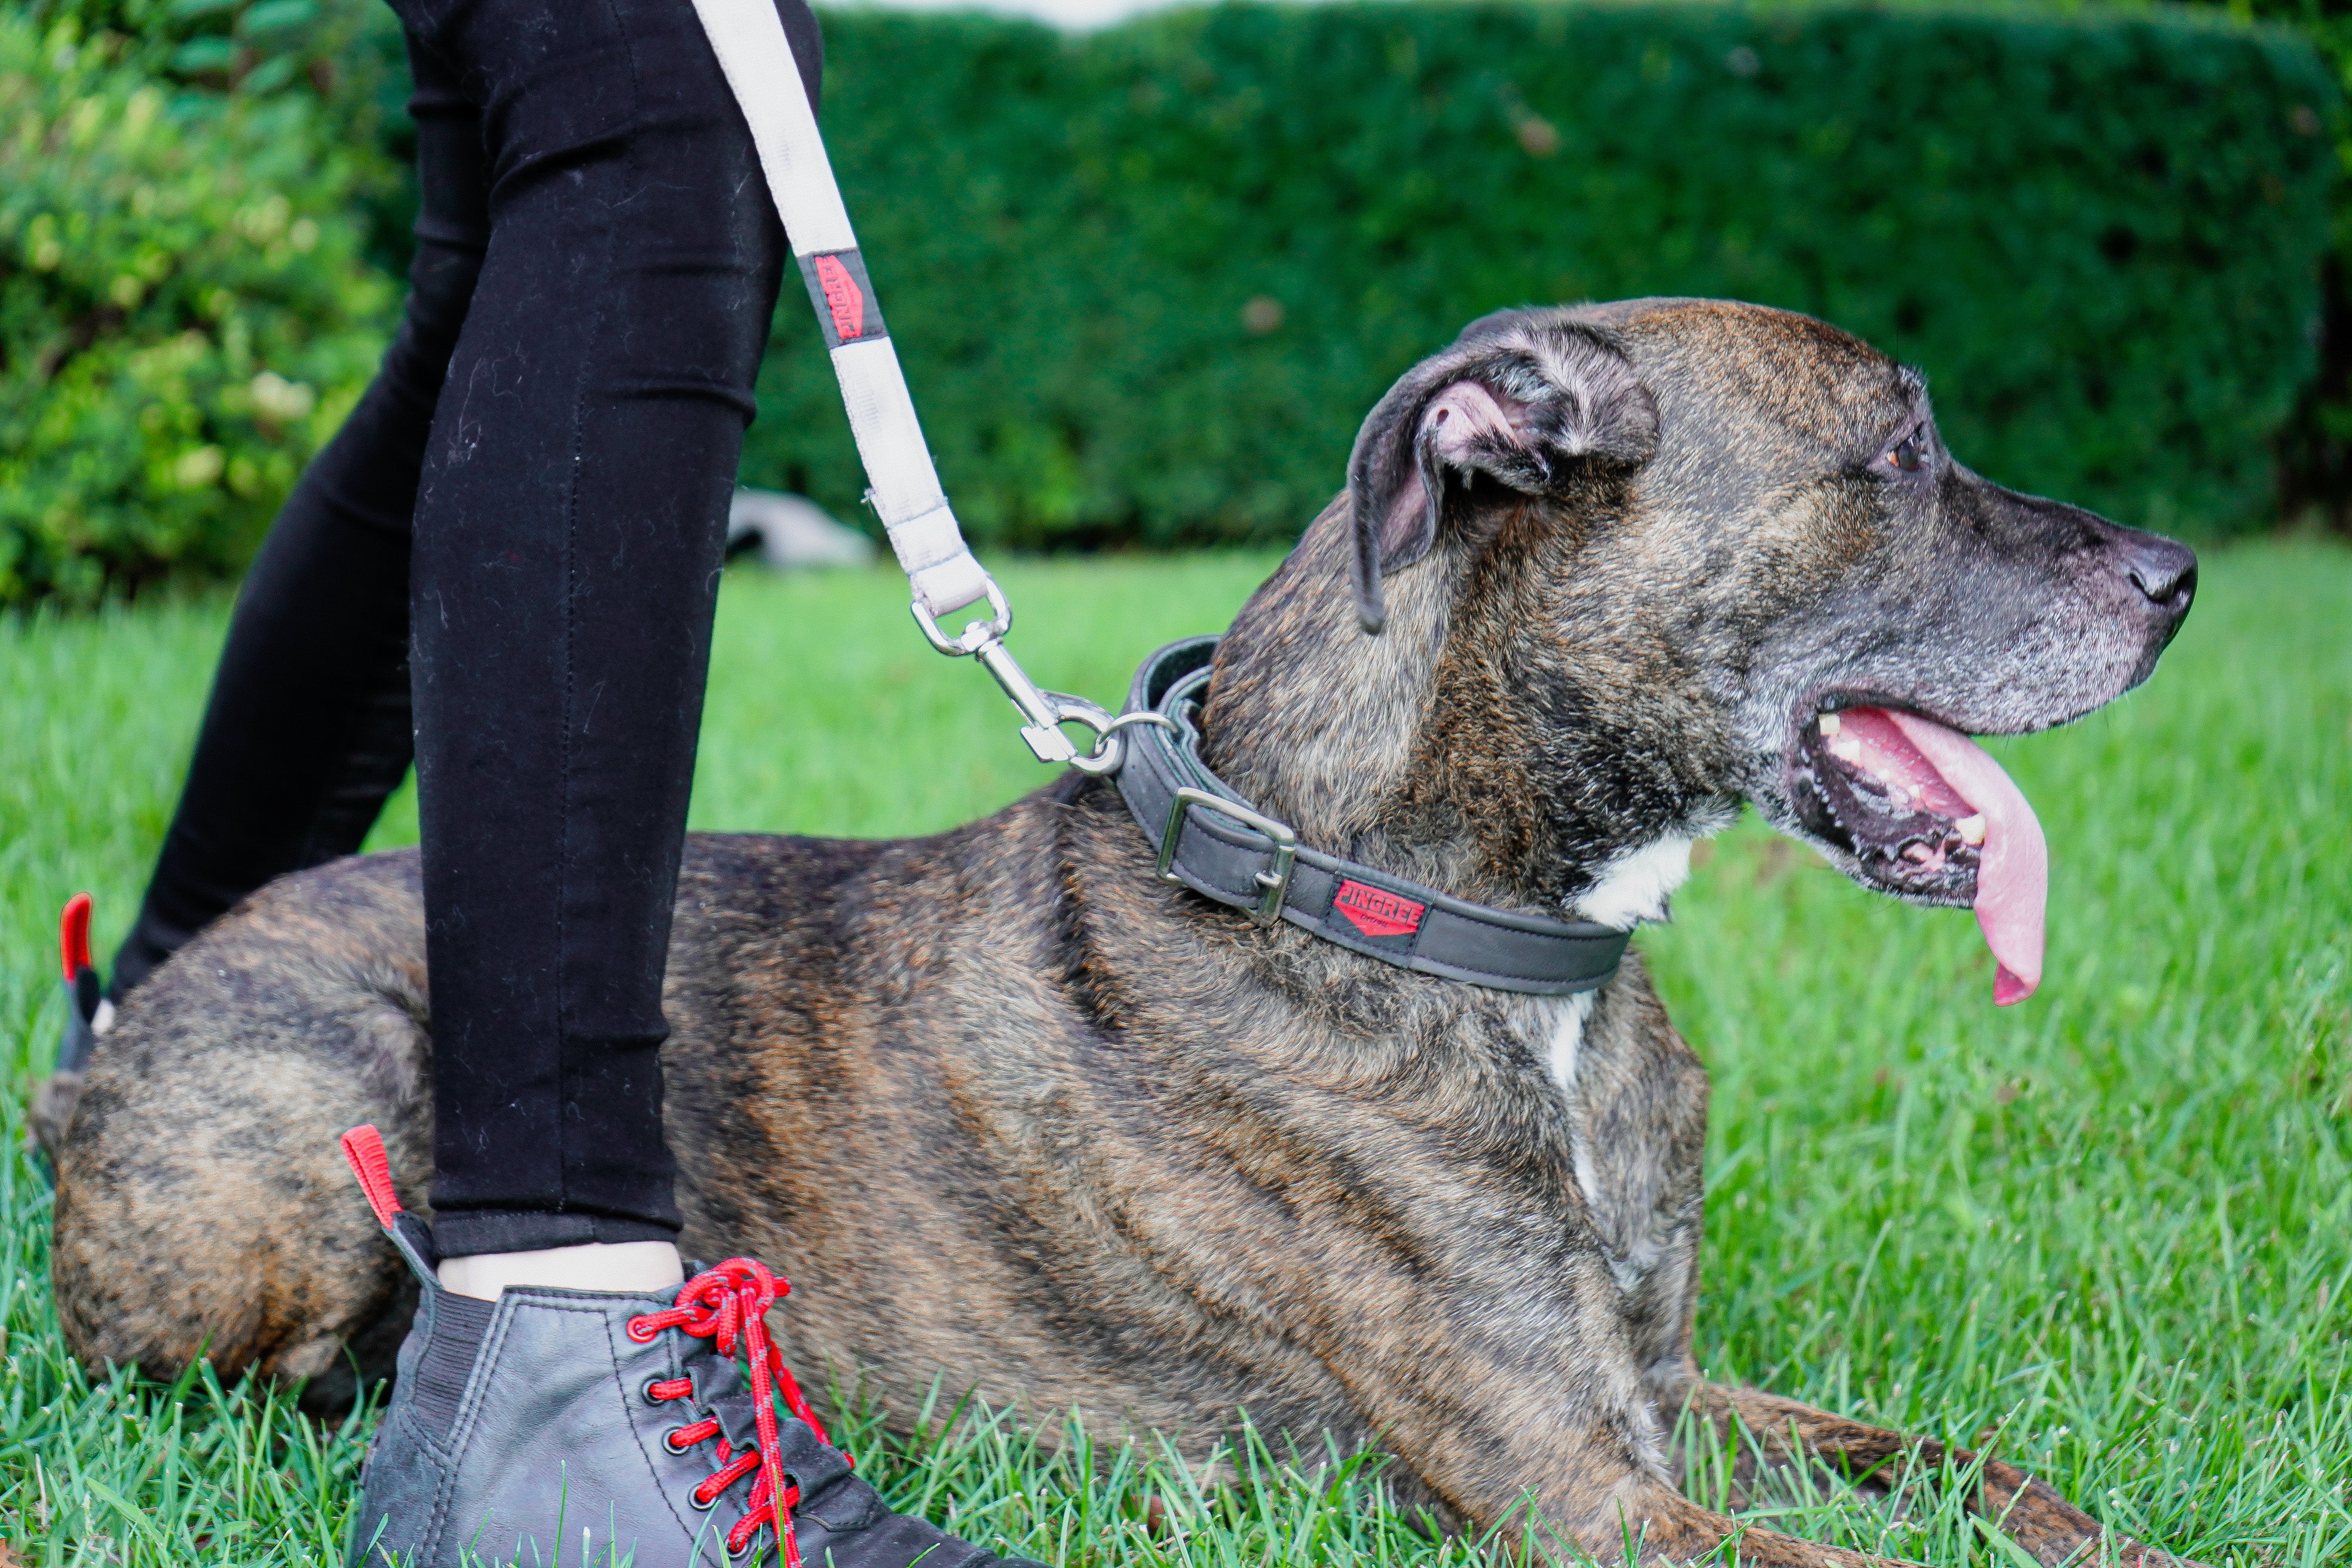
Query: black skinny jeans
point(512, 550)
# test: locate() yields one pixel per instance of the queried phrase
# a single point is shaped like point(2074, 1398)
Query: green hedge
point(185, 309)
point(1147, 281)
point(2316, 447)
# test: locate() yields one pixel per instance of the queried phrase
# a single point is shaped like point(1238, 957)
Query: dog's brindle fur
point(1009, 1108)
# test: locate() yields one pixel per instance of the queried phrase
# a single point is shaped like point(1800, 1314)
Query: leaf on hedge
point(199, 56)
point(270, 75)
point(277, 16)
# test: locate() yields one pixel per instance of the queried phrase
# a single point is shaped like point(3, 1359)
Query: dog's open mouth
point(1926, 814)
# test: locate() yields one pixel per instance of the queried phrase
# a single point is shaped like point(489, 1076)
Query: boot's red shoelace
point(726, 1305)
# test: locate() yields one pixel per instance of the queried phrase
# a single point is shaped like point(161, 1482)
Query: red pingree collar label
point(1377, 913)
point(844, 296)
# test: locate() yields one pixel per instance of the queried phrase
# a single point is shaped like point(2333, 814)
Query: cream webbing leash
point(904, 487)
point(1207, 837)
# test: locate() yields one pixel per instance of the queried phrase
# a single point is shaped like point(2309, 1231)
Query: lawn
point(2109, 1232)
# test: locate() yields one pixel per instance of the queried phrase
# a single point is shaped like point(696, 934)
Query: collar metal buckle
point(1277, 882)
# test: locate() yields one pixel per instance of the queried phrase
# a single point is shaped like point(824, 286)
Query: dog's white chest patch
point(1636, 884)
point(1568, 1040)
point(1633, 887)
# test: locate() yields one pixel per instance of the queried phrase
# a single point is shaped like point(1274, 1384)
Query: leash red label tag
point(842, 296)
point(845, 301)
point(1376, 912)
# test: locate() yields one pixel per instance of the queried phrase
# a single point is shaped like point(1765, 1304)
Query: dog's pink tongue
point(2013, 876)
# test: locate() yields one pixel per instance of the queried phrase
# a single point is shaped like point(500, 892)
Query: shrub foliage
point(185, 309)
point(2316, 447)
point(1147, 281)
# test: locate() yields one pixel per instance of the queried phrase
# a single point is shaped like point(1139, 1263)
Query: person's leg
point(568, 539)
point(569, 530)
point(307, 731)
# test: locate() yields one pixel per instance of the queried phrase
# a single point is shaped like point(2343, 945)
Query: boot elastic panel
point(452, 1341)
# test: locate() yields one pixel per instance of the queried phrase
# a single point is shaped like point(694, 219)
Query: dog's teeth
point(1831, 723)
point(1845, 748)
point(1972, 828)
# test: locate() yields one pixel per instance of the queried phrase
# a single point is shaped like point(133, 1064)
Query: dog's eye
point(1907, 453)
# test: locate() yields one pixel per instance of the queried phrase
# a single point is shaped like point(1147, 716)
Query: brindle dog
point(1014, 1110)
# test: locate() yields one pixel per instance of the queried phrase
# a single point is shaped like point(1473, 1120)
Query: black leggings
point(511, 551)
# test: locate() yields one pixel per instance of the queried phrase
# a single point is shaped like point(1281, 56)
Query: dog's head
point(1618, 568)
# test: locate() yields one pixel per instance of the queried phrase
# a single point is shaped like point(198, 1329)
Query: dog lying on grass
point(1016, 1109)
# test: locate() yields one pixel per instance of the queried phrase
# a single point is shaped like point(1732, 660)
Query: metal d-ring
point(1140, 716)
point(1111, 750)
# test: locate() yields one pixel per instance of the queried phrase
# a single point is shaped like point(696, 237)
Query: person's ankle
point(635, 1267)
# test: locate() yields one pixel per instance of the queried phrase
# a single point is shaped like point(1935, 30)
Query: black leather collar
point(1225, 849)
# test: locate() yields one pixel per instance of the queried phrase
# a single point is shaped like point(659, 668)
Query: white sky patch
point(1075, 15)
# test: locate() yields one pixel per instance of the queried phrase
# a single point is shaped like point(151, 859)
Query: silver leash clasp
point(1046, 712)
point(976, 633)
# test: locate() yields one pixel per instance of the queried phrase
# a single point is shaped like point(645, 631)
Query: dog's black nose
point(2165, 573)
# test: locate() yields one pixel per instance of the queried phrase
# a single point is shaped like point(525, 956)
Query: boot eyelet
point(694, 1496)
point(749, 1547)
point(669, 1440)
point(647, 1389)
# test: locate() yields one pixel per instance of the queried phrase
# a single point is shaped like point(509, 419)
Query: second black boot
point(618, 1431)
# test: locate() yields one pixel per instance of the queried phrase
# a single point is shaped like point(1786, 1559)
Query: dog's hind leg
point(203, 1208)
point(2053, 1531)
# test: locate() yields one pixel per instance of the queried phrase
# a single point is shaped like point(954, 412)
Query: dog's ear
point(1530, 405)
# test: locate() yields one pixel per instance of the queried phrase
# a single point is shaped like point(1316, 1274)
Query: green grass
point(2112, 1228)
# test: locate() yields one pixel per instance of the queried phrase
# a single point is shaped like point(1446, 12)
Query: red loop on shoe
point(363, 1148)
point(749, 1525)
point(727, 1305)
point(670, 1387)
point(679, 1439)
point(730, 1472)
point(73, 936)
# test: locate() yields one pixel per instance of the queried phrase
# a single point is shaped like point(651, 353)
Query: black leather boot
point(608, 1429)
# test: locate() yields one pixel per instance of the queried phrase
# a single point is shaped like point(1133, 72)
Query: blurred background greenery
point(1147, 279)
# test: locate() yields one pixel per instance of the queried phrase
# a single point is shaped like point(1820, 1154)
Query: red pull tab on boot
point(364, 1147)
point(73, 936)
